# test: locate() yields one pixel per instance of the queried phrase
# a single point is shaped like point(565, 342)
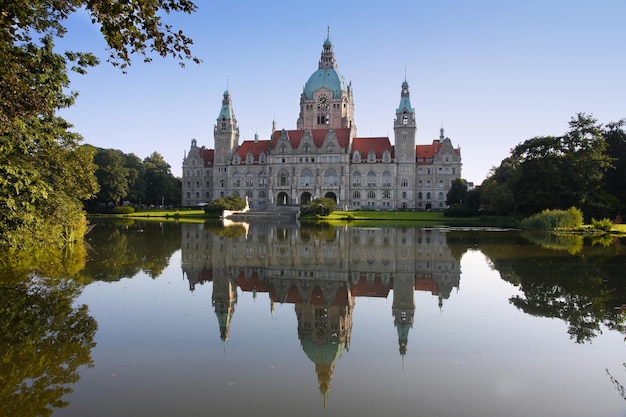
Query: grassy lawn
point(356, 218)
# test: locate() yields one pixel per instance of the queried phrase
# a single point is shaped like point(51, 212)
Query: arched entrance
point(332, 196)
point(283, 199)
point(305, 198)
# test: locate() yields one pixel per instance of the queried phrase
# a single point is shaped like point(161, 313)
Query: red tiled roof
point(424, 154)
point(252, 284)
point(208, 155)
point(426, 284)
point(378, 145)
point(256, 148)
point(377, 289)
point(318, 135)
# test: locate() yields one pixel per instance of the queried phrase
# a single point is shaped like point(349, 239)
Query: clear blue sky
point(494, 73)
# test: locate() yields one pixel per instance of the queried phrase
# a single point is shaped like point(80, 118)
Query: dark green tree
point(458, 192)
point(553, 172)
point(44, 172)
point(615, 137)
point(161, 186)
point(112, 175)
point(136, 179)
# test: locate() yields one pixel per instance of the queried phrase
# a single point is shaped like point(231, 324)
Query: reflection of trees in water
point(44, 336)
point(582, 289)
point(120, 251)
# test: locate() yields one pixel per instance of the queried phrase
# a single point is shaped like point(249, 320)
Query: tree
point(44, 172)
point(161, 185)
point(458, 192)
point(554, 172)
point(614, 183)
point(112, 175)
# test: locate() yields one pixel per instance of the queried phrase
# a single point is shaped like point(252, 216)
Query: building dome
point(328, 78)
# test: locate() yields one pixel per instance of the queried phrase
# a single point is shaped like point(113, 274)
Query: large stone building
point(323, 156)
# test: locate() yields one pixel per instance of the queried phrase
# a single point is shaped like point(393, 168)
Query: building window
point(249, 180)
point(236, 180)
point(371, 195)
point(404, 182)
point(331, 178)
point(283, 178)
point(356, 179)
point(387, 194)
point(356, 195)
point(306, 178)
point(404, 194)
point(386, 179)
point(371, 179)
point(263, 179)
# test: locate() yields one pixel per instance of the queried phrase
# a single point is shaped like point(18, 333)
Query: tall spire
point(405, 100)
point(328, 56)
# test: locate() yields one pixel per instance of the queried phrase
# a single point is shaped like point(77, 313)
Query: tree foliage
point(554, 172)
point(125, 177)
point(44, 171)
point(319, 206)
point(230, 202)
point(458, 192)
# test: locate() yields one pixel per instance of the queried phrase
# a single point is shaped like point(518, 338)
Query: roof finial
point(405, 73)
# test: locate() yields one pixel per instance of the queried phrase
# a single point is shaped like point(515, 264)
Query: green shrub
point(604, 224)
point(554, 219)
point(122, 210)
point(458, 210)
point(318, 206)
point(231, 202)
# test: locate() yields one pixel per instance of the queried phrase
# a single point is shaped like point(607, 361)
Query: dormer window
point(386, 156)
point(371, 157)
point(356, 158)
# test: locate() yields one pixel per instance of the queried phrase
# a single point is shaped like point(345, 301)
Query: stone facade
point(323, 157)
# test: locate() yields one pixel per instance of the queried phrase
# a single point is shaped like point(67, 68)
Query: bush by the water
point(458, 210)
point(318, 206)
point(554, 219)
point(605, 224)
point(226, 203)
point(122, 210)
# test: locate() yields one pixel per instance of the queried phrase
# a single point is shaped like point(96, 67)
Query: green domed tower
point(326, 100)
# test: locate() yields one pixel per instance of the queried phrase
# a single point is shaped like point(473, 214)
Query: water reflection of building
point(322, 272)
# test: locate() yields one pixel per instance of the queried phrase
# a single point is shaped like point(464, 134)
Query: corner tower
point(326, 100)
point(225, 132)
point(404, 128)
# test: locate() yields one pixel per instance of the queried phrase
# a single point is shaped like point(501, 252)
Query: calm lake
point(286, 320)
